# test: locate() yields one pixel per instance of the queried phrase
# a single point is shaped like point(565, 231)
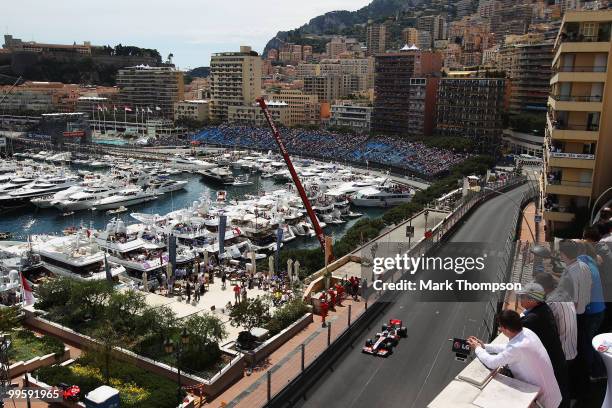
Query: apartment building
point(327, 88)
point(376, 38)
point(528, 66)
point(235, 79)
point(253, 115)
point(578, 138)
point(196, 109)
point(472, 108)
point(349, 114)
point(155, 88)
point(303, 109)
point(405, 90)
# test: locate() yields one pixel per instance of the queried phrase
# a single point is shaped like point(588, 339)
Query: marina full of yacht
point(135, 246)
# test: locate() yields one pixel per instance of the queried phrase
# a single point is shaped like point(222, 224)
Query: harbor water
point(31, 220)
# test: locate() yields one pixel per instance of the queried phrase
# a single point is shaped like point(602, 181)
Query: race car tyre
point(384, 327)
point(369, 343)
point(403, 332)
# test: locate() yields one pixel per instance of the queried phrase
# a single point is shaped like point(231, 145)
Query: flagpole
point(115, 117)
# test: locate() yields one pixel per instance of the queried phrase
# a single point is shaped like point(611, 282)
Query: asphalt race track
point(422, 364)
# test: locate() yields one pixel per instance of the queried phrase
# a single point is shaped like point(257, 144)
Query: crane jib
point(296, 180)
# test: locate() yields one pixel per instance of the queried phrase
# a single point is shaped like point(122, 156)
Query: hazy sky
point(190, 29)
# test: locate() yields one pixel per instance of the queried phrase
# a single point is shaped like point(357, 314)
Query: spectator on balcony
point(564, 313)
point(538, 317)
point(524, 355)
point(576, 278)
point(590, 322)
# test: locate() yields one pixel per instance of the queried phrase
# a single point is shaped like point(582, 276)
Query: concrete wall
point(22, 367)
point(281, 338)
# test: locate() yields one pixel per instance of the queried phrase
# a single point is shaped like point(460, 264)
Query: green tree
point(108, 340)
point(250, 313)
point(9, 319)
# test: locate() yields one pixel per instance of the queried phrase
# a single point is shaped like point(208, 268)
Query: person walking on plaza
point(538, 318)
point(188, 291)
point(196, 291)
point(223, 280)
point(243, 292)
point(236, 294)
point(524, 355)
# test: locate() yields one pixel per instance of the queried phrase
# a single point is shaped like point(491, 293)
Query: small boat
point(70, 230)
point(5, 235)
point(119, 210)
point(66, 214)
point(242, 181)
point(352, 214)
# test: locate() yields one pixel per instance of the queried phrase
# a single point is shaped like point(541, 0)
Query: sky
point(190, 29)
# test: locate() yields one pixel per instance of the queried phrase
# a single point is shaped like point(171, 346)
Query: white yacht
point(84, 199)
point(14, 184)
point(38, 188)
point(190, 164)
point(125, 197)
point(167, 186)
point(381, 197)
point(76, 256)
point(219, 174)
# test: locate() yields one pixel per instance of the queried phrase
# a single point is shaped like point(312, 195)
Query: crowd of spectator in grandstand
point(551, 342)
point(381, 151)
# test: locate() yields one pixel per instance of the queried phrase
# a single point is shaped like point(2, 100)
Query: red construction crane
point(294, 176)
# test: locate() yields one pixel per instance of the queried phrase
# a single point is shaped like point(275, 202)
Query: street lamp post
point(170, 348)
point(5, 380)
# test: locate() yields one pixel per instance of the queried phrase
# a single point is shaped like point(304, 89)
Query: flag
point(127, 109)
point(99, 108)
point(114, 108)
point(149, 110)
point(157, 108)
point(28, 296)
point(107, 269)
point(105, 108)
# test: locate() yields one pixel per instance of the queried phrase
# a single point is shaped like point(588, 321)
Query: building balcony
point(579, 76)
point(572, 132)
point(571, 160)
point(558, 216)
point(575, 103)
point(570, 188)
point(591, 46)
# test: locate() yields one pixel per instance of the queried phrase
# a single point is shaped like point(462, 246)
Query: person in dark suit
point(539, 318)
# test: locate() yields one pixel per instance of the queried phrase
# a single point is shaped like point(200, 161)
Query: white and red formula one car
point(386, 340)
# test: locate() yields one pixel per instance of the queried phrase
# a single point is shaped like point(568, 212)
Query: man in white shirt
point(524, 355)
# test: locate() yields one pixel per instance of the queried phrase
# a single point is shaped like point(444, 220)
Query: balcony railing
point(585, 68)
point(570, 183)
point(560, 125)
point(576, 37)
point(577, 98)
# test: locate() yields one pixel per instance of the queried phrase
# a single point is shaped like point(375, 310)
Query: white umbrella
point(289, 268)
point(296, 270)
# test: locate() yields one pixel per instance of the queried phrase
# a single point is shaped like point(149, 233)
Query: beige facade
point(235, 79)
point(578, 141)
point(253, 116)
point(303, 109)
point(153, 88)
point(192, 109)
point(376, 38)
